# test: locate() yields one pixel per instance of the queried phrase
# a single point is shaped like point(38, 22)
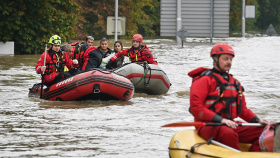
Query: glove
point(75, 62)
point(43, 69)
point(110, 64)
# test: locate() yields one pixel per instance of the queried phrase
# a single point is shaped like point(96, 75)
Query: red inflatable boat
point(94, 85)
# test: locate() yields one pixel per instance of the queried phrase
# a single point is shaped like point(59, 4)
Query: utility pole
point(212, 21)
point(243, 18)
point(116, 20)
point(179, 20)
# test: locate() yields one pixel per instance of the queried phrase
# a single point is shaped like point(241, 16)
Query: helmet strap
point(217, 61)
point(51, 46)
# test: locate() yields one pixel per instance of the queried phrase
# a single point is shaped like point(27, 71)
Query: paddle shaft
point(203, 124)
point(43, 73)
point(225, 146)
point(239, 124)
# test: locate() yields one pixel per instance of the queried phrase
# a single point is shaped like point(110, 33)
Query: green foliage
point(142, 16)
point(269, 14)
point(236, 16)
point(30, 23)
point(250, 22)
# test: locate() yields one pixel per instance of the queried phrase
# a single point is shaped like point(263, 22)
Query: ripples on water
point(30, 127)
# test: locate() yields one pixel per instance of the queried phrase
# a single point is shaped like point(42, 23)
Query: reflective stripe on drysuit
point(57, 64)
point(137, 55)
point(226, 99)
point(211, 101)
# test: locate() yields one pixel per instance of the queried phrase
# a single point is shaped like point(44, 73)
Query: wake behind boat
point(94, 85)
point(146, 78)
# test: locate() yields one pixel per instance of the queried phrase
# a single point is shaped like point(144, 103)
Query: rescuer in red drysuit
point(137, 53)
point(55, 63)
point(215, 96)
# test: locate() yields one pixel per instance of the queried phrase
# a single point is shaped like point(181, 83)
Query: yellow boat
point(185, 144)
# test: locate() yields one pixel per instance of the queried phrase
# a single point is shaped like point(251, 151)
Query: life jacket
point(82, 50)
point(76, 47)
point(86, 56)
point(137, 55)
point(226, 99)
point(57, 62)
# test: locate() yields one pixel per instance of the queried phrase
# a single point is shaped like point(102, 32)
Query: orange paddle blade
point(184, 124)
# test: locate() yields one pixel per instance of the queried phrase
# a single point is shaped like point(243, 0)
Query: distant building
point(196, 17)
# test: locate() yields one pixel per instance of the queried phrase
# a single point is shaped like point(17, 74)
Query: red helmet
point(137, 37)
point(221, 48)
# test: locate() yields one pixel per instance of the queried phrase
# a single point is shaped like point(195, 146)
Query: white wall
point(7, 48)
point(196, 17)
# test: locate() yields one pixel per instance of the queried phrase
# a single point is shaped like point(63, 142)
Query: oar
point(222, 145)
point(203, 124)
point(43, 73)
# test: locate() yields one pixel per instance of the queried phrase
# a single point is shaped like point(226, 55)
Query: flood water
point(31, 127)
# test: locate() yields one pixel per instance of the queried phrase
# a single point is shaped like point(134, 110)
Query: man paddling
point(215, 96)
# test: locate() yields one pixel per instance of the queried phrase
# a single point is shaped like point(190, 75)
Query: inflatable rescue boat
point(188, 143)
point(91, 85)
point(146, 78)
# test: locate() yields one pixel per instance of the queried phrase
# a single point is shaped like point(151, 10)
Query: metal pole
point(212, 21)
point(43, 73)
point(225, 146)
point(243, 18)
point(116, 20)
point(179, 20)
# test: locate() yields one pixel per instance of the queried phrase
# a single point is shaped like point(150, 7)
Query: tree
point(30, 23)
point(236, 16)
point(142, 16)
point(269, 14)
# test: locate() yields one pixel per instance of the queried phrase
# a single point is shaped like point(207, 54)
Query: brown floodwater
point(31, 127)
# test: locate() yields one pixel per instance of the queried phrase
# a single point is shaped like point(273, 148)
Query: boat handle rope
point(146, 69)
point(191, 152)
point(194, 147)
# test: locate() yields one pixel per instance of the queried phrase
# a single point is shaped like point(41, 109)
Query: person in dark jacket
point(83, 51)
point(104, 50)
point(94, 58)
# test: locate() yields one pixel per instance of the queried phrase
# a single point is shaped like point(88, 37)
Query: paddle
point(222, 145)
point(202, 124)
point(43, 73)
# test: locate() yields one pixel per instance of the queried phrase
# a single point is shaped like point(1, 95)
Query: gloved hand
point(110, 64)
point(75, 61)
point(43, 69)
